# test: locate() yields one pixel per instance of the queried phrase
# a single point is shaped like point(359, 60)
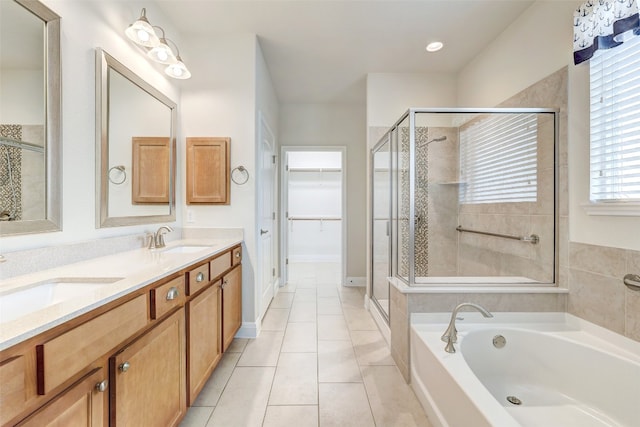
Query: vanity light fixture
point(434, 46)
point(144, 34)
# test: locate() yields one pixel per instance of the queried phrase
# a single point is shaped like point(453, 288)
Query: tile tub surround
point(137, 268)
point(596, 290)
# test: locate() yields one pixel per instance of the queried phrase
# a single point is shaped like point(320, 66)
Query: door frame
point(284, 201)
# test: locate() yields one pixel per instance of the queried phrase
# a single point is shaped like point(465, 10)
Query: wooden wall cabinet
point(208, 170)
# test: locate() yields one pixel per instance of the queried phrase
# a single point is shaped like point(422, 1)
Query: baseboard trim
point(357, 282)
point(248, 330)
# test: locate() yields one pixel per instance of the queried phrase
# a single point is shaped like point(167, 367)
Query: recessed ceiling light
point(434, 46)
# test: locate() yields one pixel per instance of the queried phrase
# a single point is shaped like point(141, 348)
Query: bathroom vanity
point(133, 350)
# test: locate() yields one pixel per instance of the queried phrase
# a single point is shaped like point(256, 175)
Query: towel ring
point(243, 171)
point(124, 174)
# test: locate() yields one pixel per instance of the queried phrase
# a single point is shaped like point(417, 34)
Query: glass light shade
point(142, 33)
point(178, 70)
point(162, 53)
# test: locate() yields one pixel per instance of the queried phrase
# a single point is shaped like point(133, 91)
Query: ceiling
point(319, 51)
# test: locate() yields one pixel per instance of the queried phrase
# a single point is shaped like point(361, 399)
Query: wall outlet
point(190, 216)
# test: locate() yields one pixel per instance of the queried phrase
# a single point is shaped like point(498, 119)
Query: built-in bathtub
point(553, 370)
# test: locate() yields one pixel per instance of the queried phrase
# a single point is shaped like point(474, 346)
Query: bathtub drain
point(514, 400)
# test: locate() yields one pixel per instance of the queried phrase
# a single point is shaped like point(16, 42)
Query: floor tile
point(332, 327)
point(244, 400)
point(282, 300)
point(262, 351)
point(344, 405)
point(197, 417)
point(303, 311)
point(327, 291)
point(213, 388)
point(329, 305)
point(275, 319)
point(237, 345)
point(371, 348)
point(392, 400)
point(305, 294)
point(359, 319)
point(296, 380)
point(300, 338)
point(294, 416)
point(289, 287)
point(337, 362)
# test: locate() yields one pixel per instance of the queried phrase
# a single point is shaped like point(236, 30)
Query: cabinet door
point(148, 377)
point(204, 343)
point(82, 404)
point(231, 305)
point(208, 175)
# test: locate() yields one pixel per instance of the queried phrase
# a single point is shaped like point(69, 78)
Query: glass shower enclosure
point(465, 197)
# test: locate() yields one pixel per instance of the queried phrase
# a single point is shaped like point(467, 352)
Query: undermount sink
point(185, 249)
point(36, 296)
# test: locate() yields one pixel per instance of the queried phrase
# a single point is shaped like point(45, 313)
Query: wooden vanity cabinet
point(147, 377)
point(82, 404)
point(204, 337)
point(231, 305)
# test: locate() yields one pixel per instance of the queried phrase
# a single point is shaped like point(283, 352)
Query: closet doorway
point(314, 203)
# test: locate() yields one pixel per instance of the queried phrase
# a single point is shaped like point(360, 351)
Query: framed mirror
point(30, 127)
point(135, 156)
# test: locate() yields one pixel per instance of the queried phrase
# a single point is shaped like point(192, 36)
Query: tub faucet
point(450, 335)
point(157, 239)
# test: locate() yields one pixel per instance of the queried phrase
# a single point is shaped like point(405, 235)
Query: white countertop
point(137, 268)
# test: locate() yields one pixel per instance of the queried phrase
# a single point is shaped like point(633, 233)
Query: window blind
point(498, 159)
point(615, 123)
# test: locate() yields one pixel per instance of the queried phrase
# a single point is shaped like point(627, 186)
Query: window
point(615, 124)
point(498, 159)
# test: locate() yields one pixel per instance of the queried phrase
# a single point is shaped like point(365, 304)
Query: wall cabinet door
point(82, 404)
point(231, 305)
point(204, 341)
point(208, 174)
point(148, 377)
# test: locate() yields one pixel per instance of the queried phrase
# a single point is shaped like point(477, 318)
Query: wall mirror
point(135, 157)
point(30, 128)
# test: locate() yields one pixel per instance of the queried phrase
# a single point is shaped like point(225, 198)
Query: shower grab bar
point(632, 281)
point(533, 239)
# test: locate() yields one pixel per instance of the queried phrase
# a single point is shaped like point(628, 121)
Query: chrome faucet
point(157, 239)
point(450, 335)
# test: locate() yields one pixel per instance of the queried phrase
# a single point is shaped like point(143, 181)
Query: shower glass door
point(381, 225)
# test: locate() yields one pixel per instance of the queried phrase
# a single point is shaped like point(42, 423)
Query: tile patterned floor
point(319, 361)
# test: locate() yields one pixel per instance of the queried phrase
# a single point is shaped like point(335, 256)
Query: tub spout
point(450, 335)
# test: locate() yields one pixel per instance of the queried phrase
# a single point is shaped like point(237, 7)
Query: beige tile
point(337, 362)
point(633, 262)
point(603, 260)
point(282, 300)
point(344, 405)
point(244, 400)
point(431, 303)
point(275, 319)
point(197, 417)
point(392, 400)
point(262, 351)
point(371, 348)
point(352, 297)
point(306, 294)
point(332, 327)
point(598, 299)
point(303, 311)
point(359, 319)
point(300, 338)
point(212, 390)
point(327, 291)
point(291, 416)
point(289, 287)
point(329, 305)
point(296, 380)
point(237, 345)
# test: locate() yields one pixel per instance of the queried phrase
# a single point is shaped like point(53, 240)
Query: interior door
point(266, 216)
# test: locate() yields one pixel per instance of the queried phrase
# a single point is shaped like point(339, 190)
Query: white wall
point(534, 46)
point(336, 125)
point(85, 26)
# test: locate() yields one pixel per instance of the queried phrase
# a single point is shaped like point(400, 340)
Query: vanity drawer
point(89, 341)
point(167, 296)
point(237, 255)
point(220, 264)
point(13, 393)
point(197, 278)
